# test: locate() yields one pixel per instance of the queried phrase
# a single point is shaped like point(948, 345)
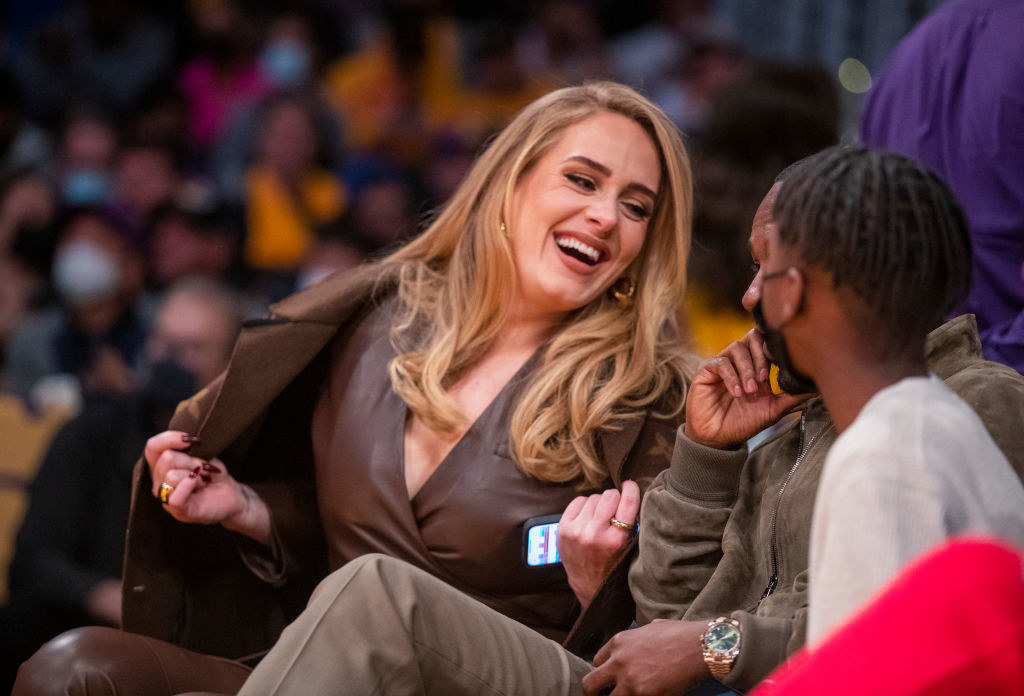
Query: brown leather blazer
point(187, 584)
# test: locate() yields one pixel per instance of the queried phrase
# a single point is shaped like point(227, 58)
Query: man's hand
point(730, 399)
point(663, 658)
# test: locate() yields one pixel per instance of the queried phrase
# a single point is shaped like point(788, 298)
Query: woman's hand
point(589, 544)
point(202, 492)
point(730, 399)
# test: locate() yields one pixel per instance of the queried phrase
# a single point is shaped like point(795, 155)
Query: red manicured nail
point(189, 438)
point(207, 466)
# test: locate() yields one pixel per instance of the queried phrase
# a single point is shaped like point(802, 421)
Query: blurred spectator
point(774, 114)
point(472, 81)
point(99, 52)
point(225, 76)
point(67, 563)
point(563, 40)
point(162, 117)
point(23, 145)
point(338, 247)
point(383, 213)
point(451, 155)
point(192, 235)
point(85, 159)
point(26, 435)
point(287, 190)
point(688, 92)
point(289, 56)
point(427, 72)
point(27, 210)
point(24, 201)
point(376, 89)
point(289, 60)
point(646, 56)
point(385, 200)
point(95, 336)
point(145, 175)
point(950, 97)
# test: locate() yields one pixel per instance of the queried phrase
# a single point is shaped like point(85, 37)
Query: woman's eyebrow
point(605, 171)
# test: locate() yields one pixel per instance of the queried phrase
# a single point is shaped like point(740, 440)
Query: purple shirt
point(952, 97)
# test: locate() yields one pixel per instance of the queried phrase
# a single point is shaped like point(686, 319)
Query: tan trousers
point(381, 626)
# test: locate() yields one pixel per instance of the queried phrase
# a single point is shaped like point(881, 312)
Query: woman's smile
point(579, 216)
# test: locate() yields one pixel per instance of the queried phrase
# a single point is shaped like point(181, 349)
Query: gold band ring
point(165, 492)
point(631, 528)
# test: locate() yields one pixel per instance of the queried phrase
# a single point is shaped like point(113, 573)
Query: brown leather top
point(465, 524)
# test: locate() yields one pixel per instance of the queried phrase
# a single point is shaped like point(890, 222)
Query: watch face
point(722, 638)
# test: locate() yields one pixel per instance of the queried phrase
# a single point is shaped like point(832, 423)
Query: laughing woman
point(523, 350)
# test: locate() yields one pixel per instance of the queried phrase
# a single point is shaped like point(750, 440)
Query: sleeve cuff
point(705, 474)
point(266, 564)
point(763, 648)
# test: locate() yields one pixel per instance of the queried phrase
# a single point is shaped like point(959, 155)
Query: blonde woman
point(512, 362)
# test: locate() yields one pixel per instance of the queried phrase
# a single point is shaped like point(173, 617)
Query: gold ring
point(165, 492)
point(631, 528)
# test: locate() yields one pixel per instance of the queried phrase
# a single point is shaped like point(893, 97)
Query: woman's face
point(579, 217)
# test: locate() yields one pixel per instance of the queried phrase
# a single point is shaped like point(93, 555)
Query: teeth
point(573, 243)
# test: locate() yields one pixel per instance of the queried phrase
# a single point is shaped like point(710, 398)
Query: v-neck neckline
point(444, 469)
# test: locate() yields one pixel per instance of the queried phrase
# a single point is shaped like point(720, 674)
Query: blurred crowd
point(169, 169)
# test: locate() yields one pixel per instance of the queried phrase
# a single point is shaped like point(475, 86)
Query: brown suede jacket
point(187, 584)
point(727, 532)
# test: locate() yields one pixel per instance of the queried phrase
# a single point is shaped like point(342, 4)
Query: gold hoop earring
point(623, 290)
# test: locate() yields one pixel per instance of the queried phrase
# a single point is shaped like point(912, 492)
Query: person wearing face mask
point(289, 52)
point(87, 150)
point(94, 336)
point(733, 524)
point(67, 564)
point(289, 67)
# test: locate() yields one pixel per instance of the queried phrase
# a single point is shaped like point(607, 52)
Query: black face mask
point(791, 380)
point(167, 384)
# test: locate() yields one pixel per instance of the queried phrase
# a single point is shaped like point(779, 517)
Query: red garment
point(952, 623)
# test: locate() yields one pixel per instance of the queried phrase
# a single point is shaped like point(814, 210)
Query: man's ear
point(793, 298)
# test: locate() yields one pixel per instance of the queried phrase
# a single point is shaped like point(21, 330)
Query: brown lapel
point(269, 354)
point(616, 445)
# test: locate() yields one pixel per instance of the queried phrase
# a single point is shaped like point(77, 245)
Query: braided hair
point(889, 232)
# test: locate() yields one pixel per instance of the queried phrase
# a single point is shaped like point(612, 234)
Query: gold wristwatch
point(720, 645)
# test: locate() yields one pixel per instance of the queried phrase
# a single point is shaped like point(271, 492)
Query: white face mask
point(84, 273)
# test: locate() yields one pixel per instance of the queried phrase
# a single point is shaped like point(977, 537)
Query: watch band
point(720, 663)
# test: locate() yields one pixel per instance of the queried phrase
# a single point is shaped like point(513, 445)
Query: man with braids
point(868, 252)
point(724, 533)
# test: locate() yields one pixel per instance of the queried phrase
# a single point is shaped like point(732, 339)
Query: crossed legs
point(381, 626)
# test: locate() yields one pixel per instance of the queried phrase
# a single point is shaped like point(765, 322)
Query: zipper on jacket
point(773, 579)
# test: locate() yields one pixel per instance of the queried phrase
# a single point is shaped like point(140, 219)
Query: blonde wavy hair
point(610, 362)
